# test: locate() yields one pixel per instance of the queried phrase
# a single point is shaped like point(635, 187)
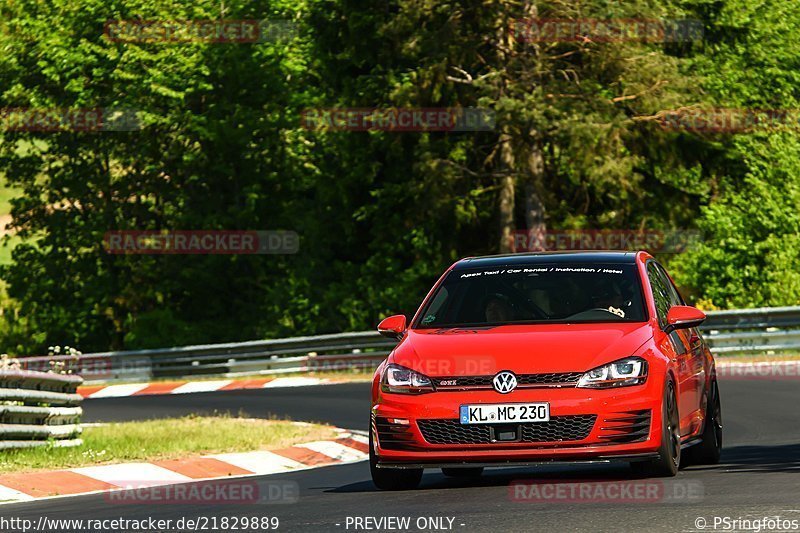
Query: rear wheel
point(392, 478)
point(463, 472)
point(669, 454)
point(709, 449)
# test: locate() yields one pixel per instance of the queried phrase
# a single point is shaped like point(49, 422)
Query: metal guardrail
point(728, 332)
point(39, 409)
point(298, 354)
point(766, 329)
point(757, 318)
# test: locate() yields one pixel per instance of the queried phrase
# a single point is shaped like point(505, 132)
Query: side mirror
point(393, 327)
point(684, 317)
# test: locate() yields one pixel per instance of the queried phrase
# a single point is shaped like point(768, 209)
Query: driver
point(541, 298)
point(498, 309)
point(609, 296)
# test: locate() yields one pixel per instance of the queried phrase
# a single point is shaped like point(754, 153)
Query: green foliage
point(751, 257)
point(380, 214)
point(211, 155)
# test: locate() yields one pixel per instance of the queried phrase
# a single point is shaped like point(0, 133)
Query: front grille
point(448, 431)
point(540, 379)
point(625, 427)
point(558, 429)
point(552, 379)
point(393, 436)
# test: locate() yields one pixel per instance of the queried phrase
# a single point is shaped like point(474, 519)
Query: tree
point(750, 252)
point(212, 154)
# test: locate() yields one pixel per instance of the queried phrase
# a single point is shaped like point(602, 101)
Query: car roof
point(535, 258)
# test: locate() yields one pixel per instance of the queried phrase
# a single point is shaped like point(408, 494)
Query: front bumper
point(626, 427)
point(497, 463)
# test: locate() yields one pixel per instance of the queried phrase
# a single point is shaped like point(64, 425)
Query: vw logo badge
point(504, 382)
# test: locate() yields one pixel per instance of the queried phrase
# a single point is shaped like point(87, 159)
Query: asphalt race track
point(759, 477)
point(345, 405)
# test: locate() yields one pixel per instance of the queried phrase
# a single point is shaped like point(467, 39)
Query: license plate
point(502, 413)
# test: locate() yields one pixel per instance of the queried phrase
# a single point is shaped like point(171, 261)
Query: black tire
point(463, 472)
point(392, 478)
point(709, 449)
point(669, 454)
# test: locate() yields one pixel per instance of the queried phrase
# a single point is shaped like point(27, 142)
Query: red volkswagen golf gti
point(530, 358)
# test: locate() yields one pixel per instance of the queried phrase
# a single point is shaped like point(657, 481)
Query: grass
point(6, 194)
point(6, 247)
point(174, 438)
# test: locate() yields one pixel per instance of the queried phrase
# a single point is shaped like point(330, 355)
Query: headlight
point(403, 380)
point(622, 373)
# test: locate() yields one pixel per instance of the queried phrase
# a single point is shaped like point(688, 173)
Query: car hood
point(523, 349)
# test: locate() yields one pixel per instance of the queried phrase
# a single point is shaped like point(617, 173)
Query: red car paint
point(542, 349)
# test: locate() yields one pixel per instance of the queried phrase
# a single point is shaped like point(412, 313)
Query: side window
point(435, 310)
point(675, 296)
point(661, 293)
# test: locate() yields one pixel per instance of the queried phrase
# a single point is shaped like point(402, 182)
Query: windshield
point(535, 294)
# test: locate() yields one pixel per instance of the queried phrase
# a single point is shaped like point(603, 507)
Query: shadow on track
point(435, 480)
point(777, 458)
point(752, 458)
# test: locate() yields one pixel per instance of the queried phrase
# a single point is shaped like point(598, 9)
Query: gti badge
point(504, 382)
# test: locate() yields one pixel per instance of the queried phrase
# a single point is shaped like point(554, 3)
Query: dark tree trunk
point(534, 204)
point(508, 185)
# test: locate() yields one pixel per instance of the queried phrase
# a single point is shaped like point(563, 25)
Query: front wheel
point(709, 449)
point(669, 454)
point(392, 478)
